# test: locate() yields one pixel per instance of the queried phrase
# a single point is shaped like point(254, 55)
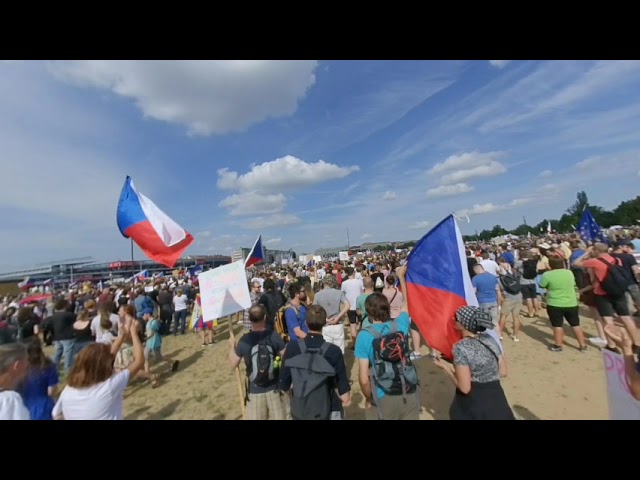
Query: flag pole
point(238, 379)
point(131, 240)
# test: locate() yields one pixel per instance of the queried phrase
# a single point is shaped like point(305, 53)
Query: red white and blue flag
point(438, 284)
point(256, 255)
point(158, 236)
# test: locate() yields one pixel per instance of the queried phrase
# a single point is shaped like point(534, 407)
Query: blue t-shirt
point(293, 321)
point(34, 392)
point(576, 254)
point(485, 285)
point(154, 342)
point(508, 256)
point(364, 340)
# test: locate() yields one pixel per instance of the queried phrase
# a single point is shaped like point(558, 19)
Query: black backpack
point(392, 370)
point(260, 368)
point(275, 301)
point(510, 283)
point(616, 281)
point(530, 269)
point(312, 379)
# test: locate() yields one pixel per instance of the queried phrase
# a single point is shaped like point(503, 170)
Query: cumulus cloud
point(283, 173)
point(205, 234)
point(499, 63)
point(465, 160)
point(388, 196)
point(489, 170)
point(273, 241)
point(482, 209)
point(545, 173)
point(420, 225)
point(252, 203)
point(366, 236)
point(278, 220)
point(207, 96)
point(449, 190)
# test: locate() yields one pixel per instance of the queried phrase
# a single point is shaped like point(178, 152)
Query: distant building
point(270, 256)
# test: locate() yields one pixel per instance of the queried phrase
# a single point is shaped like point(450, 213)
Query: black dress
point(486, 399)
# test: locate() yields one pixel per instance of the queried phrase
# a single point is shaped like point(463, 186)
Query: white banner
point(317, 258)
point(224, 291)
point(622, 405)
point(344, 256)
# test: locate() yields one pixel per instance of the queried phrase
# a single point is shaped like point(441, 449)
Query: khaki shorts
point(511, 306)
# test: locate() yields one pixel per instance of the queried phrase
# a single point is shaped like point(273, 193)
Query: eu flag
point(589, 229)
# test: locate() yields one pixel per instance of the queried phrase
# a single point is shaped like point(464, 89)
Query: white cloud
point(208, 96)
point(283, 173)
point(449, 190)
point(482, 209)
point(465, 161)
point(205, 234)
point(252, 203)
point(389, 196)
point(366, 236)
point(499, 63)
point(489, 170)
point(420, 225)
point(545, 173)
point(271, 221)
point(273, 241)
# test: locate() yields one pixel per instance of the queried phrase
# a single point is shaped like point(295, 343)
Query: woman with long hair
point(94, 390)
point(124, 353)
point(82, 332)
point(478, 365)
point(38, 388)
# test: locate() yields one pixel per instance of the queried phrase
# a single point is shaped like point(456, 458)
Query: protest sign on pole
point(622, 405)
point(344, 256)
point(224, 291)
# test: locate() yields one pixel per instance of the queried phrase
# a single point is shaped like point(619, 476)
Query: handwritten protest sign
point(622, 405)
point(223, 291)
point(344, 256)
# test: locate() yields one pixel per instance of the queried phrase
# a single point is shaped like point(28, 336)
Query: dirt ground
point(541, 384)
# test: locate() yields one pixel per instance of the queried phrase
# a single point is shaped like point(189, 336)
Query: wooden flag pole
point(238, 378)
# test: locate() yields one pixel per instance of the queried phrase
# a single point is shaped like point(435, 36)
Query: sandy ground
point(541, 384)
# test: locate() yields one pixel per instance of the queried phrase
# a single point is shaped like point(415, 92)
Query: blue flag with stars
point(589, 229)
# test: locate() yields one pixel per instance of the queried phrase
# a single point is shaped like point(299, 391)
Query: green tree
point(627, 213)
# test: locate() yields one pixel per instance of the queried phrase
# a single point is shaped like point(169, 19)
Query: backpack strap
point(302, 345)
point(324, 347)
point(373, 331)
point(607, 263)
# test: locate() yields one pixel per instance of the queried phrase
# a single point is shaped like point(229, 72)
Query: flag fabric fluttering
point(256, 255)
point(26, 284)
point(158, 236)
point(438, 284)
point(589, 229)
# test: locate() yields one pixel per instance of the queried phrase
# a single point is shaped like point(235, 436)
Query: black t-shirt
point(62, 325)
point(243, 350)
point(471, 262)
point(153, 295)
point(272, 301)
point(334, 357)
point(628, 262)
point(25, 331)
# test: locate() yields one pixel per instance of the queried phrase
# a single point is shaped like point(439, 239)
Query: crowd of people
point(304, 319)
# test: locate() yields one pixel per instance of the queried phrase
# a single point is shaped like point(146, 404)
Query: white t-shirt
point(100, 402)
point(352, 288)
point(490, 266)
point(12, 407)
point(97, 330)
point(180, 302)
point(358, 276)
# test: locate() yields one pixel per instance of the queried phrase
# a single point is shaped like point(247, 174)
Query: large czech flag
point(158, 236)
point(256, 255)
point(438, 284)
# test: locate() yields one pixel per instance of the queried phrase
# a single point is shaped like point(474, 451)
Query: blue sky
point(299, 151)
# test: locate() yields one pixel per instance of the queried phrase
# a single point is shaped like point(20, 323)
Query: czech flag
point(158, 236)
point(256, 255)
point(438, 284)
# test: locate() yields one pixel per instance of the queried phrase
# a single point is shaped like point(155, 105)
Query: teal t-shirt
point(364, 340)
point(153, 327)
point(360, 304)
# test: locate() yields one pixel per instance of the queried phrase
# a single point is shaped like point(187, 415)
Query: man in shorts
point(511, 303)
point(153, 346)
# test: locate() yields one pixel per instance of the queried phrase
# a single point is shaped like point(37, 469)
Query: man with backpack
point(388, 379)
point(272, 300)
point(610, 288)
point(316, 373)
point(261, 350)
point(512, 303)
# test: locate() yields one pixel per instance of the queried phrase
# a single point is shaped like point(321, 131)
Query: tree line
point(625, 214)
